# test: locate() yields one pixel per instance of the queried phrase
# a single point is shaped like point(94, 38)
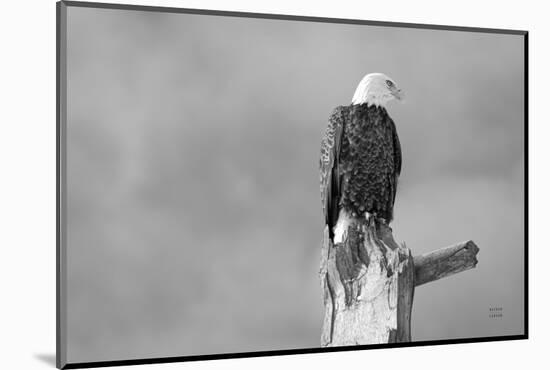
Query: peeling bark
point(369, 281)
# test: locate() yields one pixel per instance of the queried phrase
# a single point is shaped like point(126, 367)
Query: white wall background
point(27, 195)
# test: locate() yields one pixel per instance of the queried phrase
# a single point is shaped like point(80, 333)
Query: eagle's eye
point(389, 83)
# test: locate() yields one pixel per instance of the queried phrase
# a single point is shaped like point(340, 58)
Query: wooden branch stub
point(445, 262)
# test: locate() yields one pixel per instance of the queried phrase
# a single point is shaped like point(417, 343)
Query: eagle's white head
point(376, 89)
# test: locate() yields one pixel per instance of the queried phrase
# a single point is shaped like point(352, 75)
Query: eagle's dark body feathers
point(360, 163)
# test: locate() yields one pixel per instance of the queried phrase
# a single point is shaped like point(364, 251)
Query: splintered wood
point(368, 282)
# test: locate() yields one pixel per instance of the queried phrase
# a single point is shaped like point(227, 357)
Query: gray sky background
point(194, 219)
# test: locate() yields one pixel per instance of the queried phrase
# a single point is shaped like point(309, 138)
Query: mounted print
point(236, 184)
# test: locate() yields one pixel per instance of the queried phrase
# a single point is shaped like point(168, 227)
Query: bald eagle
point(361, 157)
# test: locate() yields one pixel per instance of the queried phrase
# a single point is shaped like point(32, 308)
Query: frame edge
point(61, 251)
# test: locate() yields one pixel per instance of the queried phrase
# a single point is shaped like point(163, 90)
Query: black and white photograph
point(242, 184)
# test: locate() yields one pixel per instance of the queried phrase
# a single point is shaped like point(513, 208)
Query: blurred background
point(194, 216)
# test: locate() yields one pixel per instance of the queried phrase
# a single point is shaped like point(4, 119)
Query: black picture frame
point(61, 81)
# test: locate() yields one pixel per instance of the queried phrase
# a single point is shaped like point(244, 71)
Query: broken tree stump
point(369, 279)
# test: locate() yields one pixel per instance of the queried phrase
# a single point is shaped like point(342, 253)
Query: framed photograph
point(236, 184)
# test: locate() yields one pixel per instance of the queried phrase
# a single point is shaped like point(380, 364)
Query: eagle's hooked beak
point(398, 93)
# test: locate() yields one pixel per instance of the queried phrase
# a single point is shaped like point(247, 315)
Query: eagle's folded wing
point(330, 175)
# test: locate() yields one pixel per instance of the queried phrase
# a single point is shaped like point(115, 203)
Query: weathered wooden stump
point(369, 281)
